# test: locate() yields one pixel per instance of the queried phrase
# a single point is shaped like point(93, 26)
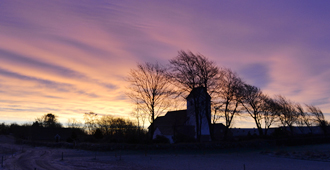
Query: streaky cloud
point(50, 84)
point(10, 56)
point(43, 66)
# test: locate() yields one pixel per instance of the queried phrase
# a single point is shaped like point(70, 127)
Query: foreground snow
point(26, 157)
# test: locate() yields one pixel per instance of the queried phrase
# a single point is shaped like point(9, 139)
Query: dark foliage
point(4, 129)
point(161, 139)
point(181, 138)
point(48, 120)
point(280, 133)
point(98, 134)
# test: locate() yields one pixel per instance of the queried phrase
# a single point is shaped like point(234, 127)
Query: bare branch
point(150, 89)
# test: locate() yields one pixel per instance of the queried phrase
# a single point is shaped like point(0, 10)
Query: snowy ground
point(18, 157)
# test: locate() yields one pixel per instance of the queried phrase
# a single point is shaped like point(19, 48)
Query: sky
point(72, 57)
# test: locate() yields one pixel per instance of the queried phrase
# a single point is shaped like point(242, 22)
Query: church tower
point(199, 101)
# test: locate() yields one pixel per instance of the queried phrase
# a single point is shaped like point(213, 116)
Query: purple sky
point(70, 57)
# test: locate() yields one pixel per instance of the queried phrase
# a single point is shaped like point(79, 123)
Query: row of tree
point(112, 129)
point(107, 124)
point(267, 111)
point(105, 128)
point(155, 88)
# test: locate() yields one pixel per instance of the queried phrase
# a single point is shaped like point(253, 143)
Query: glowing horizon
point(69, 58)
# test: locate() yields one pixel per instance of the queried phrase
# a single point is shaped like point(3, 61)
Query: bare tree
point(288, 115)
point(150, 89)
point(140, 115)
point(253, 102)
point(122, 129)
point(74, 123)
point(305, 118)
point(115, 129)
point(271, 109)
point(90, 122)
point(48, 120)
point(137, 114)
point(230, 96)
point(318, 117)
point(216, 108)
point(104, 124)
point(190, 71)
point(143, 117)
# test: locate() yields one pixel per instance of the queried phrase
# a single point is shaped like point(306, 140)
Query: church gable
point(183, 122)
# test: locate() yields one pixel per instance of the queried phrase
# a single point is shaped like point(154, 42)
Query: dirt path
point(31, 159)
point(43, 158)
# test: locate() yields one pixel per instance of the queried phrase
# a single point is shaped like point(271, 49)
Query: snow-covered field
point(21, 157)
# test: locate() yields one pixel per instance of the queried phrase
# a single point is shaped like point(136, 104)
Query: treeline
point(155, 88)
point(94, 129)
point(112, 129)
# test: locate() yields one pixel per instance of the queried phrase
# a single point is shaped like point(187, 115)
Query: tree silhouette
point(271, 109)
point(189, 71)
point(253, 102)
point(318, 117)
point(150, 89)
point(304, 118)
point(47, 120)
point(230, 95)
point(90, 122)
point(288, 113)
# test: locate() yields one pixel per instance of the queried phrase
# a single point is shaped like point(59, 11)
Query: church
point(180, 124)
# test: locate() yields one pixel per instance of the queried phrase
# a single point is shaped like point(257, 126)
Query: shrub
point(161, 139)
point(181, 138)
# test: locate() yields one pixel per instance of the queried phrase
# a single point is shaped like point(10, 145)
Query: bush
point(98, 134)
point(280, 133)
point(181, 138)
point(161, 139)
point(69, 140)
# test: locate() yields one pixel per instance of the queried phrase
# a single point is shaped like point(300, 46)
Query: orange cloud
point(69, 58)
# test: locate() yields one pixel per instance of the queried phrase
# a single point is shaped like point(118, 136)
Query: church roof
point(174, 122)
point(196, 92)
point(172, 118)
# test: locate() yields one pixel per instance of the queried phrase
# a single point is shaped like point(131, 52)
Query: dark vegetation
point(123, 135)
point(154, 89)
point(105, 129)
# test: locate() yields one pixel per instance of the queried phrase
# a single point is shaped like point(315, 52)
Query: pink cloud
point(83, 50)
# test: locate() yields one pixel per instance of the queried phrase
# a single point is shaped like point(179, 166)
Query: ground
point(22, 157)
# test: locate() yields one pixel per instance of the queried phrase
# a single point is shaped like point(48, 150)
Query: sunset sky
point(71, 57)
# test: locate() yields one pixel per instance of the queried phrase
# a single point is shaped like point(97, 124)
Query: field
point(23, 157)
